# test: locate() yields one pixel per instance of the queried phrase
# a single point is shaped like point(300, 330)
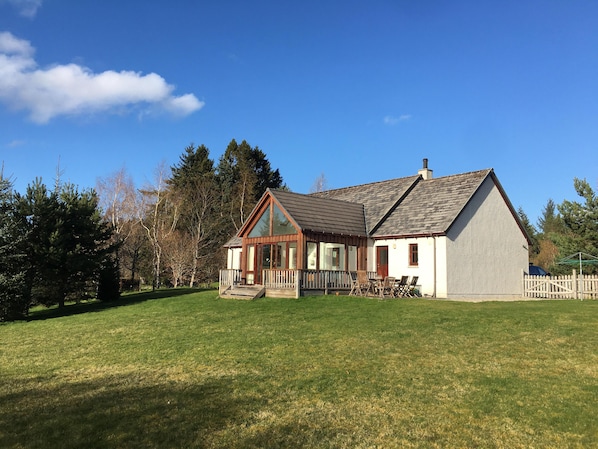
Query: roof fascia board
point(265, 198)
point(511, 208)
point(409, 236)
point(468, 201)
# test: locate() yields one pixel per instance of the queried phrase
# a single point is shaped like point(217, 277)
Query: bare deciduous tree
point(320, 184)
point(159, 217)
point(117, 199)
point(177, 258)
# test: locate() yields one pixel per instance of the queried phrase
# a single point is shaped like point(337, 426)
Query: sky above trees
point(359, 91)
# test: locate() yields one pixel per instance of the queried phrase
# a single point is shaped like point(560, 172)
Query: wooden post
point(575, 286)
point(297, 283)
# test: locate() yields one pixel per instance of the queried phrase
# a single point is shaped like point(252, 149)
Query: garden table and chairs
point(382, 286)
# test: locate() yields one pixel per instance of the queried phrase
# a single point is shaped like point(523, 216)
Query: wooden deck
point(292, 283)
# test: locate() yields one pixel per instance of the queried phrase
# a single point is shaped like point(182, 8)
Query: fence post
point(575, 286)
point(297, 283)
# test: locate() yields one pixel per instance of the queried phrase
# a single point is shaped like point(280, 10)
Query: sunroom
point(296, 244)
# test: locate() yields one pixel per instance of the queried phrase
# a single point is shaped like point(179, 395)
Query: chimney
point(425, 172)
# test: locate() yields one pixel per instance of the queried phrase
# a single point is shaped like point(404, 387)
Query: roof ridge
point(312, 195)
point(485, 170)
point(364, 184)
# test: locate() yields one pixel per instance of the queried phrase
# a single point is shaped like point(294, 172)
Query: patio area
point(296, 283)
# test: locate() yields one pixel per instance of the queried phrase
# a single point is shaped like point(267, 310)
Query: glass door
point(382, 261)
point(263, 261)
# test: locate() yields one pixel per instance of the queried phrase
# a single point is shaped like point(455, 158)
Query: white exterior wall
point(233, 259)
point(486, 250)
point(431, 268)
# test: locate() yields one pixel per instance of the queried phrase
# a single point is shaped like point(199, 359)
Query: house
point(459, 234)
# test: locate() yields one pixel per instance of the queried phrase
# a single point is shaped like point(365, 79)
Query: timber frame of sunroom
point(281, 253)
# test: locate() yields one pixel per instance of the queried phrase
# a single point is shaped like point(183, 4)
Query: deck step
point(244, 292)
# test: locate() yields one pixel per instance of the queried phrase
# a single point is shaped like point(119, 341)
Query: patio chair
point(364, 283)
point(355, 287)
point(401, 287)
point(410, 289)
point(386, 289)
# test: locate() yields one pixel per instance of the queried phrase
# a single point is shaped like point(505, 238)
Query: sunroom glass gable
point(279, 225)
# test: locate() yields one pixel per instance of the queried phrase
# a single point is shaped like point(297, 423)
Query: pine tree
point(580, 221)
point(14, 289)
point(531, 233)
point(193, 181)
point(244, 174)
point(67, 242)
point(550, 221)
point(109, 280)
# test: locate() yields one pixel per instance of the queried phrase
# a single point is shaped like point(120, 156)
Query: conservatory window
point(280, 223)
point(262, 227)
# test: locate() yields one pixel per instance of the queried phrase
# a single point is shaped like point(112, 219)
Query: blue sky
point(359, 91)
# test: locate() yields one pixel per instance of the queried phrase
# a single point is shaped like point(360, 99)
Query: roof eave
point(408, 236)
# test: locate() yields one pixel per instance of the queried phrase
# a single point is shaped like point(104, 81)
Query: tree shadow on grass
point(118, 412)
point(98, 306)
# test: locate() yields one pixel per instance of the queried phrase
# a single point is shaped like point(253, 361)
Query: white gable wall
point(486, 250)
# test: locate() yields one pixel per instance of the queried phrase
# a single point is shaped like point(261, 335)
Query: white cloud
point(72, 89)
point(15, 143)
point(392, 120)
point(26, 8)
point(10, 44)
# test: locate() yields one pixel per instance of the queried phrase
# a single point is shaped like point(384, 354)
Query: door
point(382, 261)
point(263, 261)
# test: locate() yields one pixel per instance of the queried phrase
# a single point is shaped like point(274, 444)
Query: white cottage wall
point(233, 259)
point(486, 249)
point(431, 268)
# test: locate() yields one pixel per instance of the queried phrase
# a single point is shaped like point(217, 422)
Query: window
point(280, 224)
point(281, 255)
point(336, 259)
point(262, 228)
point(352, 257)
point(413, 255)
point(292, 255)
point(312, 255)
point(332, 256)
point(250, 257)
point(250, 277)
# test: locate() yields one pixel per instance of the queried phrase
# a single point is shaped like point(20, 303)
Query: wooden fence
point(572, 286)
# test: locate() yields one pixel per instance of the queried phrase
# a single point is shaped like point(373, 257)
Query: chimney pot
point(425, 172)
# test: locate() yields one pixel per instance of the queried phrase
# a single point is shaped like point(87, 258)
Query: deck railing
point(228, 278)
point(323, 280)
point(280, 278)
point(561, 287)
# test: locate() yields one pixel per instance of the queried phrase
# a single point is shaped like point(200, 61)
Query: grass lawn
point(189, 370)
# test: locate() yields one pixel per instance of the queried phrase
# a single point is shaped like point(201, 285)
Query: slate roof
point(234, 242)
point(432, 206)
point(323, 214)
point(378, 198)
point(401, 207)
